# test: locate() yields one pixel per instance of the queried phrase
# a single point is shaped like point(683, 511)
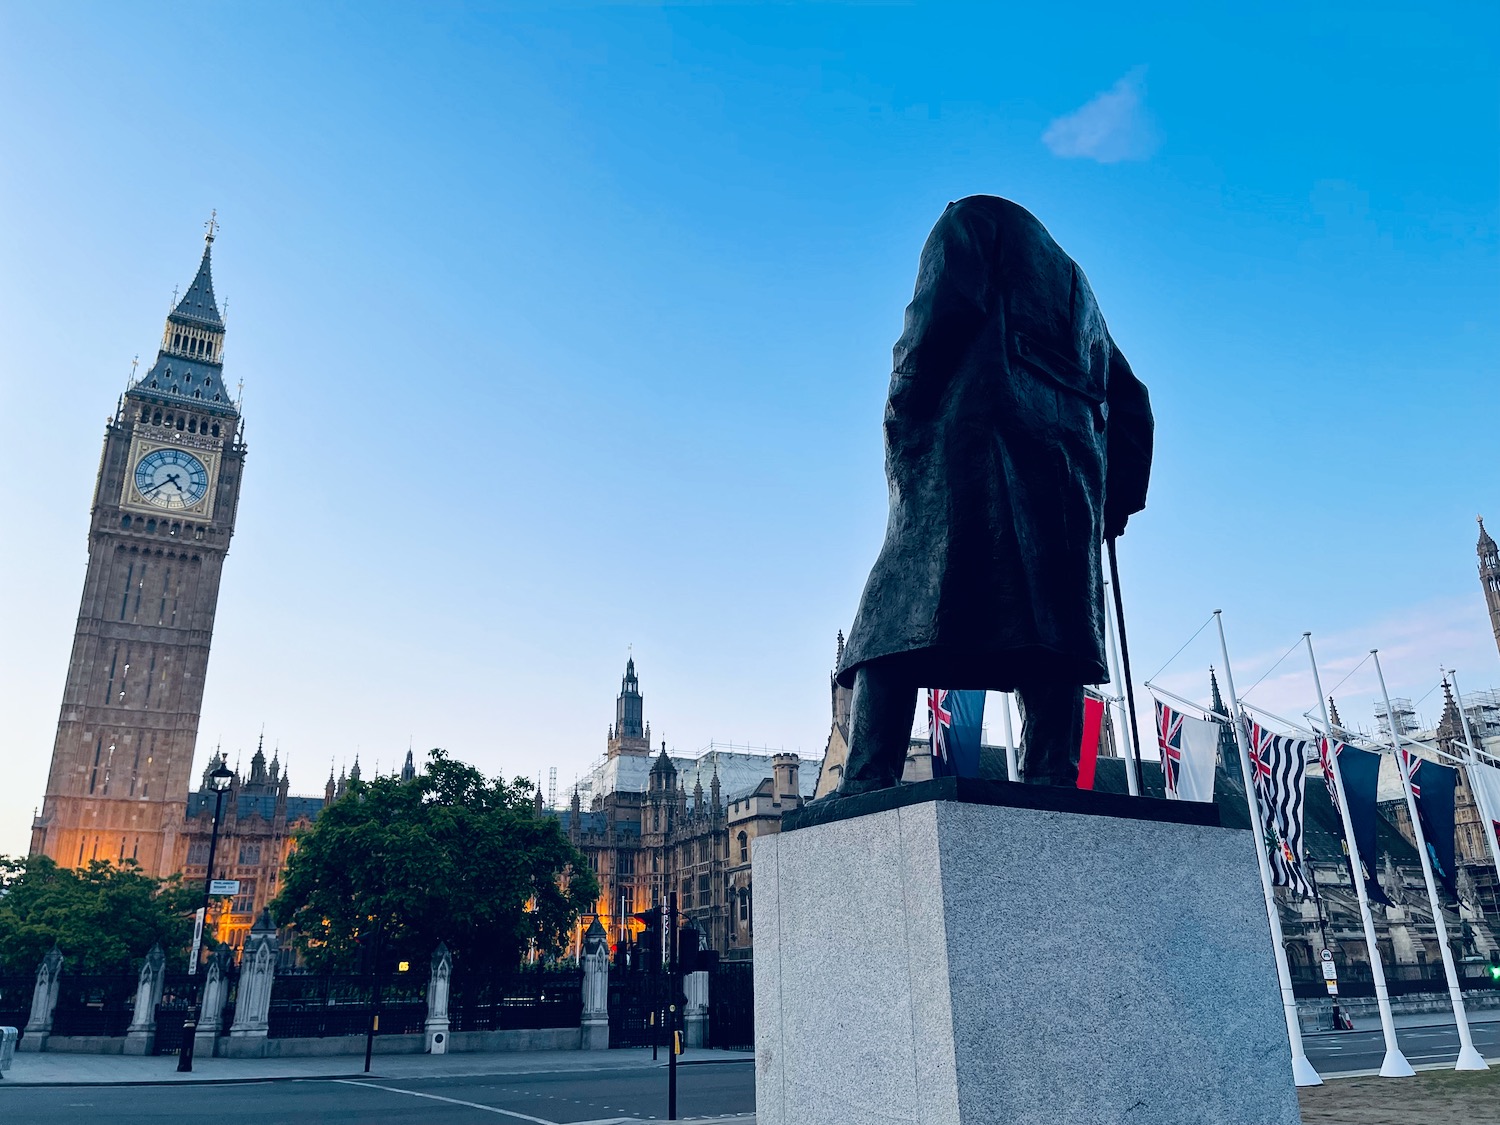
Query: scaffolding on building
point(1406, 716)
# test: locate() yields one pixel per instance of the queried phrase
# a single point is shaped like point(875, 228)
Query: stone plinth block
point(981, 953)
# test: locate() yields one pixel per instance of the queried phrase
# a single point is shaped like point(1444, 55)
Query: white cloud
point(1110, 127)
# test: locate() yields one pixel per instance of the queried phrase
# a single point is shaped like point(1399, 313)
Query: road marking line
point(451, 1101)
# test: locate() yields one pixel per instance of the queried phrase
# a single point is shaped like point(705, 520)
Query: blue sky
point(566, 328)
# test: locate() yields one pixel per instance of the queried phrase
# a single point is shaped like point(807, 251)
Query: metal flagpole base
point(1470, 1059)
point(1303, 1073)
point(1396, 1066)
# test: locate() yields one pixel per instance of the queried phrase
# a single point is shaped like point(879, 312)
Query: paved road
point(1334, 1052)
point(723, 1090)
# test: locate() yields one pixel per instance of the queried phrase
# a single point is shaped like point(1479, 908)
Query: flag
point(1486, 780)
point(1435, 787)
point(1088, 753)
point(1361, 773)
point(954, 719)
point(1279, 765)
point(1189, 748)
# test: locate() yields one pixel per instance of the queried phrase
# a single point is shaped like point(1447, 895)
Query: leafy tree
point(448, 856)
point(102, 916)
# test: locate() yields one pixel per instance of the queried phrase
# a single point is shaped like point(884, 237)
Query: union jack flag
point(1169, 741)
point(1413, 765)
point(1280, 766)
point(940, 725)
point(1328, 749)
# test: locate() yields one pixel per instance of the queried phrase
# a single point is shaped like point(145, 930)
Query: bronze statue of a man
point(1016, 440)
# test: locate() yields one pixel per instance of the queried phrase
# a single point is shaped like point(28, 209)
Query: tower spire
point(1489, 577)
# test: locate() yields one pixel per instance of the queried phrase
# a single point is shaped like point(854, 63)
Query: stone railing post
point(594, 1034)
point(211, 1011)
point(436, 1028)
point(252, 1005)
point(43, 1002)
point(695, 1012)
point(140, 1036)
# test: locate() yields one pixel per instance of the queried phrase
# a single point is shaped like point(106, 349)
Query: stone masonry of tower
point(1489, 577)
point(163, 513)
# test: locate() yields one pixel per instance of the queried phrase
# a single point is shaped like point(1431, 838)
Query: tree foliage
point(448, 856)
point(103, 917)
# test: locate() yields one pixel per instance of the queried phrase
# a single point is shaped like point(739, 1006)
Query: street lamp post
point(220, 780)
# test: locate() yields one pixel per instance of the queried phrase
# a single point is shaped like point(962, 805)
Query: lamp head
point(220, 779)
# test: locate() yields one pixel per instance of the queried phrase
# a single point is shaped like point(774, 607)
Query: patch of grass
point(1433, 1097)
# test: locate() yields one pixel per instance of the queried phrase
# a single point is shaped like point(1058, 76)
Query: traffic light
point(648, 945)
point(1495, 965)
point(688, 948)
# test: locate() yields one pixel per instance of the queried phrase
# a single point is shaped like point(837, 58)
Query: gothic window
point(687, 894)
point(155, 418)
point(244, 903)
point(98, 750)
point(744, 842)
point(214, 429)
point(744, 897)
point(198, 853)
point(124, 521)
point(125, 598)
point(249, 853)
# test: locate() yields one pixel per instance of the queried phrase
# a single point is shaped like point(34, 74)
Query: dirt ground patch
point(1434, 1097)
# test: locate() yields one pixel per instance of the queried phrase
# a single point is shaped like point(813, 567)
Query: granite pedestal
point(984, 953)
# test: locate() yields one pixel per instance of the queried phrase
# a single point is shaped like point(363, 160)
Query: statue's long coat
point(1015, 435)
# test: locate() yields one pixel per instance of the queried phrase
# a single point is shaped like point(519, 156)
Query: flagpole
point(1468, 1057)
point(1303, 1071)
point(1481, 798)
point(1012, 768)
point(1395, 1064)
point(1132, 761)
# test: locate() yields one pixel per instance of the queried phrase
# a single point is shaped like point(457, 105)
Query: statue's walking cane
point(1135, 732)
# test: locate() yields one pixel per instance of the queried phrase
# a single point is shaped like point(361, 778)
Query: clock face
point(171, 478)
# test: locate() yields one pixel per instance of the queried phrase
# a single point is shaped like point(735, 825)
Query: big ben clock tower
point(164, 508)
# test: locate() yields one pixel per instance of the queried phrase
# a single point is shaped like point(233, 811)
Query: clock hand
point(153, 488)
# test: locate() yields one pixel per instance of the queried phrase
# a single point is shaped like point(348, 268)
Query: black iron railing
point(94, 1005)
point(15, 1000)
point(307, 1006)
point(731, 1006)
point(518, 1001)
point(1356, 981)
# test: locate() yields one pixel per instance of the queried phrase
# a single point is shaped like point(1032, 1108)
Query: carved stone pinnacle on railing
point(436, 1027)
point(252, 1005)
point(43, 1001)
point(140, 1036)
point(595, 1022)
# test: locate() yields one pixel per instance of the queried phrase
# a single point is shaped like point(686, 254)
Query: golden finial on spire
point(212, 226)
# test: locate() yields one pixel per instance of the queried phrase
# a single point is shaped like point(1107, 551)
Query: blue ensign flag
point(954, 720)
